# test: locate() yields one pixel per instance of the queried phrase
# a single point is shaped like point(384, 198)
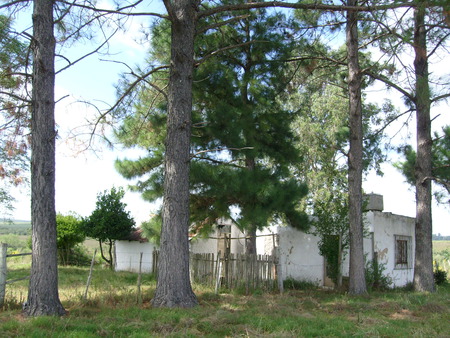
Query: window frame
point(403, 252)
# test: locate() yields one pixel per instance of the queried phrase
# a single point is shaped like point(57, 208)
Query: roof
point(136, 236)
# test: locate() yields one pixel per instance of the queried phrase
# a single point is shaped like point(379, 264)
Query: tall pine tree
point(242, 143)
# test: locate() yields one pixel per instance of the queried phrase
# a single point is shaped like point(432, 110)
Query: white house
point(128, 253)
point(391, 238)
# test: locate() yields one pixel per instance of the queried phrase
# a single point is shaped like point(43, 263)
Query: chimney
point(373, 202)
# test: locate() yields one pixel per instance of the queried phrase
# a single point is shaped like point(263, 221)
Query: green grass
point(112, 310)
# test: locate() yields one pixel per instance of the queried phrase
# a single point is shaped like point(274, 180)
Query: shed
point(390, 237)
point(128, 252)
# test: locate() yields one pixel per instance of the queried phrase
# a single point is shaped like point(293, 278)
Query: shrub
point(375, 277)
point(69, 234)
point(440, 275)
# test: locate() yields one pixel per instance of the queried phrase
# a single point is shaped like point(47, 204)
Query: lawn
point(112, 309)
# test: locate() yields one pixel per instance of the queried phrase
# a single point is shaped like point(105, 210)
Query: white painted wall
point(128, 255)
point(385, 226)
point(203, 245)
point(299, 253)
point(299, 256)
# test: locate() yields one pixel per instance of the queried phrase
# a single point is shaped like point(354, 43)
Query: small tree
point(69, 233)
point(109, 221)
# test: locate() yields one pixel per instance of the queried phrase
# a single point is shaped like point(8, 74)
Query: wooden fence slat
point(231, 271)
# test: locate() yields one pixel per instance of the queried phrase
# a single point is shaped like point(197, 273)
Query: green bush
point(440, 275)
point(77, 256)
point(375, 276)
point(69, 234)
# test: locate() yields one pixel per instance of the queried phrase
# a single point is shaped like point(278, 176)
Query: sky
point(80, 176)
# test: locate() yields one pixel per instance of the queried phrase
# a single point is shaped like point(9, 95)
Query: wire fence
point(4, 270)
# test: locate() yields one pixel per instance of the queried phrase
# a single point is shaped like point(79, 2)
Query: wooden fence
point(247, 272)
point(3, 270)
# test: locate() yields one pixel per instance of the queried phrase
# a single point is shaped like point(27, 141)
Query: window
point(403, 254)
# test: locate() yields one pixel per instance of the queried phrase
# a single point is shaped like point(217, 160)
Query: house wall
point(299, 256)
point(128, 255)
point(204, 245)
point(386, 226)
point(299, 253)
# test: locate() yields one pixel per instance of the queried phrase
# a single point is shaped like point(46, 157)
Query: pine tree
point(242, 141)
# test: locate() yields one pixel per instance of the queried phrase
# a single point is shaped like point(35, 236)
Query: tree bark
point(423, 272)
point(357, 282)
point(250, 233)
point(43, 298)
point(174, 287)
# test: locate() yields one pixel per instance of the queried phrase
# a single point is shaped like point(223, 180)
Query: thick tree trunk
point(174, 288)
point(250, 241)
point(423, 272)
point(356, 275)
point(43, 296)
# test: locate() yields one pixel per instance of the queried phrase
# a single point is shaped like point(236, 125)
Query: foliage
point(109, 221)
point(440, 275)
point(14, 118)
point(241, 139)
point(69, 233)
point(15, 242)
point(152, 229)
point(440, 158)
point(376, 279)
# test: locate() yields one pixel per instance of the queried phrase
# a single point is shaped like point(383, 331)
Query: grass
point(112, 310)
point(440, 246)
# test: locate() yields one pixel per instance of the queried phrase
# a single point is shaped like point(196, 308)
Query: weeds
point(303, 310)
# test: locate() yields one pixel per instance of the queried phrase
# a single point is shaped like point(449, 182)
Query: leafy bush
point(78, 256)
point(375, 276)
point(440, 275)
point(69, 234)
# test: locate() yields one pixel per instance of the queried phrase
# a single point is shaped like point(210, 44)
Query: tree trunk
point(423, 272)
point(356, 275)
point(43, 298)
point(250, 237)
point(174, 287)
point(250, 241)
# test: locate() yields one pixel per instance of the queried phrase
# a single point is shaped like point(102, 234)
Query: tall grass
point(112, 309)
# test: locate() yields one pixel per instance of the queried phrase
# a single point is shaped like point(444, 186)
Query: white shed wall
point(386, 227)
point(204, 245)
point(128, 255)
point(299, 256)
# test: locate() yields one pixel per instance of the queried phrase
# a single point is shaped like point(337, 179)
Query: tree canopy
point(110, 221)
point(241, 143)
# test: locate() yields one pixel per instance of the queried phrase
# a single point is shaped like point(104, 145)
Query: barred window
point(403, 253)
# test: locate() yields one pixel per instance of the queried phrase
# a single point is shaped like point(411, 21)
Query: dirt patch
point(403, 314)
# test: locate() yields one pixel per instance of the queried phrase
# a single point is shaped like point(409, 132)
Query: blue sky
point(81, 176)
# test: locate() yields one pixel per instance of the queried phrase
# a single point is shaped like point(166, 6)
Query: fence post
point(138, 297)
point(279, 271)
point(90, 275)
point(3, 248)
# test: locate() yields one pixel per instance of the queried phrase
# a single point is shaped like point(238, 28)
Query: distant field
point(15, 228)
point(441, 246)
